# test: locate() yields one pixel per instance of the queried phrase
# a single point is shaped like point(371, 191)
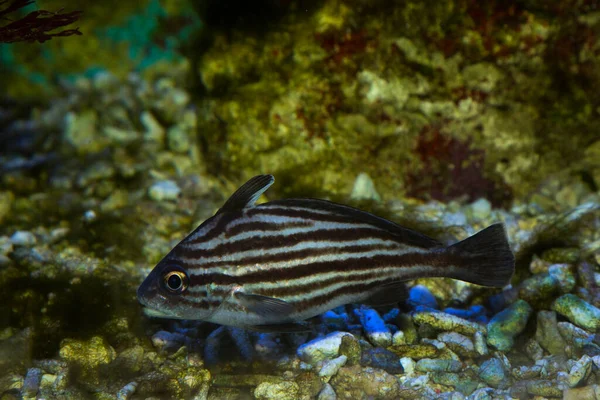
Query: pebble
point(153, 130)
point(374, 326)
point(578, 311)
point(178, 139)
point(327, 393)
point(164, 190)
point(322, 348)
point(492, 372)
point(364, 189)
point(547, 334)
point(127, 391)
point(441, 365)
point(419, 295)
point(23, 238)
point(479, 342)
point(564, 275)
point(381, 359)
point(460, 344)
point(481, 209)
point(331, 367)
point(580, 371)
point(398, 338)
point(408, 365)
point(507, 324)
point(350, 347)
point(446, 322)
point(31, 384)
point(360, 383)
point(591, 392)
point(286, 390)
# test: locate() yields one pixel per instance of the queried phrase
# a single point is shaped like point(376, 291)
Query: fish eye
point(176, 281)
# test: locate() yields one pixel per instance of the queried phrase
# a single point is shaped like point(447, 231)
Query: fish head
point(167, 293)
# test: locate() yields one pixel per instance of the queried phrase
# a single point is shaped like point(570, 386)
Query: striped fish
point(268, 267)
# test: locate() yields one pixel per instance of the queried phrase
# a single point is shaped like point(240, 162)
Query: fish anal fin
point(264, 306)
point(248, 193)
point(388, 293)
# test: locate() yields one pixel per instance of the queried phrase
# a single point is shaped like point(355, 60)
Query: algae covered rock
point(363, 383)
point(507, 324)
point(578, 311)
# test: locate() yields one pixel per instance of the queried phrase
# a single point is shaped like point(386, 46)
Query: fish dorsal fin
point(248, 193)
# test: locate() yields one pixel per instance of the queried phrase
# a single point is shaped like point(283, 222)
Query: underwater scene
point(300, 199)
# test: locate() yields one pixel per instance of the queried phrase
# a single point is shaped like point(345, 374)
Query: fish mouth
point(152, 312)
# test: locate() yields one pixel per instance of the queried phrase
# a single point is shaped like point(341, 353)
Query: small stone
point(543, 387)
point(127, 391)
point(492, 372)
point(327, 393)
point(538, 288)
point(580, 371)
point(481, 209)
point(431, 365)
point(360, 383)
point(419, 295)
point(364, 189)
point(178, 139)
point(479, 342)
point(416, 351)
point(374, 326)
point(591, 392)
point(119, 136)
point(286, 390)
point(533, 350)
point(23, 238)
point(153, 130)
point(564, 275)
point(31, 384)
point(398, 338)
point(164, 190)
point(507, 324)
point(331, 367)
point(460, 344)
point(381, 359)
point(350, 347)
point(322, 348)
point(409, 365)
point(547, 333)
point(578, 311)
point(442, 321)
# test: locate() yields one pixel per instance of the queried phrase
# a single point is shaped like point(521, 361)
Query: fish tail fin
point(484, 258)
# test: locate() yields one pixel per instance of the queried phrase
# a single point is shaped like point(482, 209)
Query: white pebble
point(23, 238)
point(322, 348)
point(327, 393)
point(331, 367)
point(164, 190)
point(364, 189)
point(408, 364)
point(375, 328)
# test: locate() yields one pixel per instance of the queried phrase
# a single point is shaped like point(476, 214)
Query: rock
point(507, 324)
point(479, 342)
point(564, 275)
point(322, 348)
point(419, 295)
point(87, 356)
point(442, 321)
point(591, 392)
point(579, 372)
point(481, 209)
point(492, 372)
point(350, 347)
point(31, 384)
point(286, 390)
point(547, 333)
point(178, 139)
point(127, 391)
point(331, 367)
point(363, 383)
point(327, 393)
point(364, 189)
point(533, 350)
point(164, 190)
point(381, 359)
point(441, 365)
point(23, 238)
point(416, 351)
point(7, 199)
point(578, 311)
point(460, 344)
point(129, 360)
point(408, 365)
point(153, 130)
point(167, 341)
point(543, 387)
point(374, 326)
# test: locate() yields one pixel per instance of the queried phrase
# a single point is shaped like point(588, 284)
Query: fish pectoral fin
point(248, 193)
point(264, 306)
point(388, 293)
point(289, 327)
